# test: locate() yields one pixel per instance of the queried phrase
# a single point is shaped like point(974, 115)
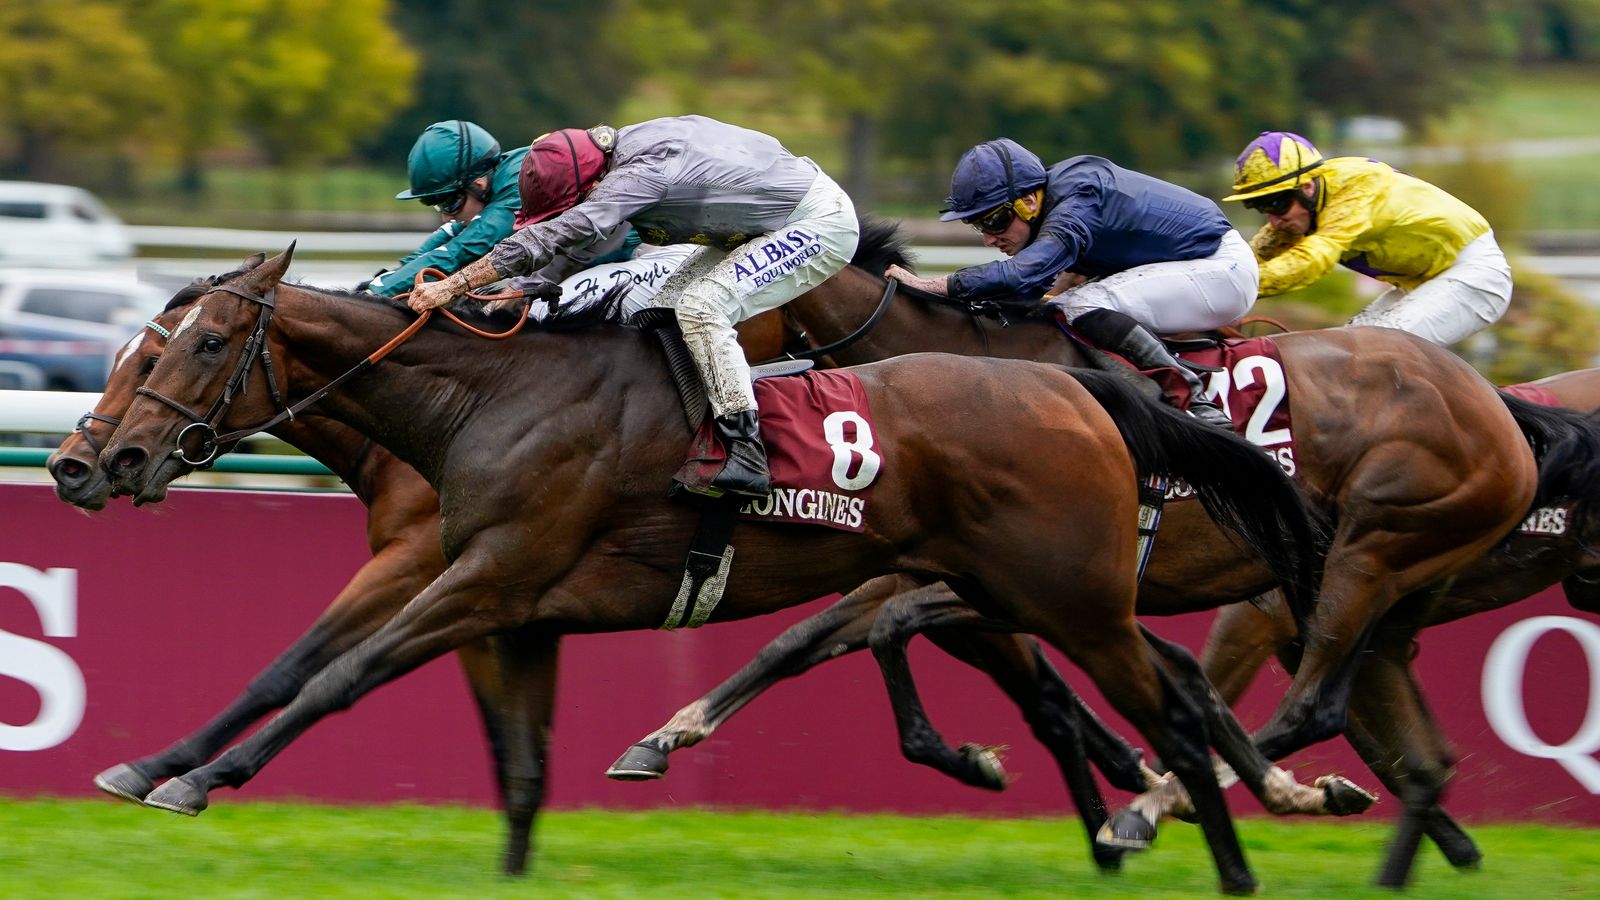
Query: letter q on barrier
point(1503, 670)
point(48, 670)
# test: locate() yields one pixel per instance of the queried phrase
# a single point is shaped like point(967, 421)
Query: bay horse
point(403, 536)
point(402, 532)
point(1384, 447)
point(578, 537)
point(1401, 741)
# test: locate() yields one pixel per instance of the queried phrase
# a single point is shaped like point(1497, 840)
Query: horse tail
point(882, 244)
point(1242, 489)
point(1566, 445)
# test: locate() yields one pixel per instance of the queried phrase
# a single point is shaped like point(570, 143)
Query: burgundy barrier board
point(123, 630)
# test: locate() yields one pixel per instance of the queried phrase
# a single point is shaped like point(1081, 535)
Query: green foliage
point(517, 69)
point(74, 76)
point(1546, 330)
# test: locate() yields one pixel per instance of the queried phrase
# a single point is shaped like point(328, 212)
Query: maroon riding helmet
point(560, 168)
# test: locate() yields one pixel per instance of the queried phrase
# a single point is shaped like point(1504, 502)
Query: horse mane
point(882, 244)
point(199, 287)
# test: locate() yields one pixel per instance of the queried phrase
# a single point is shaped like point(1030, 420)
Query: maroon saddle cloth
point(821, 450)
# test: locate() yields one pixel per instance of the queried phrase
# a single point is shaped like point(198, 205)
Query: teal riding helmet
point(447, 157)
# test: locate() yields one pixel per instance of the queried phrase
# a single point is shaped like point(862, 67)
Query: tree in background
point(517, 69)
point(73, 76)
point(300, 81)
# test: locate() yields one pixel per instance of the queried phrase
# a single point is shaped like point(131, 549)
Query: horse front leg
point(1241, 640)
point(379, 589)
point(513, 679)
point(462, 605)
point(838, 630)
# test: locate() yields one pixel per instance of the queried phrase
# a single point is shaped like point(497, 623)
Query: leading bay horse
point(402, 532)
point(1407, 449)
point(576, 535)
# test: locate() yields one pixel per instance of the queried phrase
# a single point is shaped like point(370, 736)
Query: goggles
point(995, 221)
point(445, 204)
point(1272, 204)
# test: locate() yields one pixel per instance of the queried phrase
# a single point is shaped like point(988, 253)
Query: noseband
point(204, 426)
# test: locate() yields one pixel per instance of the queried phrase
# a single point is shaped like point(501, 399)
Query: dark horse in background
point(1382, 445)
point(577, 536)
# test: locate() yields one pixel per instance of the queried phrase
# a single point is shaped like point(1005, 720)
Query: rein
point(847, 340)
point(212, 444)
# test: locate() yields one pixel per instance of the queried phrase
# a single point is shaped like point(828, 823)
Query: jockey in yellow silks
point(1447, 276)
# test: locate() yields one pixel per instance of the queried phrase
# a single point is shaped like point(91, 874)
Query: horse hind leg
point(1278, 791)
point(898, 620)
point(840, 629)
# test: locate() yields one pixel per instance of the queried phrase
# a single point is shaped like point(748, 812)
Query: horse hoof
point(642, 762)
point(123, 780)
point(986, 761)
point(1127, 830)
point(1108, 859)
point(178, 796)
point(1244, 887)
point(1342, 797)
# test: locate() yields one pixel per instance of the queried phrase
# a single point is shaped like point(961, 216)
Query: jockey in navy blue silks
point(1129, 256)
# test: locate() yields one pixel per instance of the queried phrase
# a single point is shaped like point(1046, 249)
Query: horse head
point(206, 376)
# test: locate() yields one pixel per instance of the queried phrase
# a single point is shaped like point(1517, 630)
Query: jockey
point(456, 168)
point(1447, 276)
point(772, 226)
point(1144, 257)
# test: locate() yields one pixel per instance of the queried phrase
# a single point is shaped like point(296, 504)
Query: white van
point(58, 225)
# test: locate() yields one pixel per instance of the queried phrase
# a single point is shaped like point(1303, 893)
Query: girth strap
point(705, 571)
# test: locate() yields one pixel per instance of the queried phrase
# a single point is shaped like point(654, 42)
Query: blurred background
point(189, 133)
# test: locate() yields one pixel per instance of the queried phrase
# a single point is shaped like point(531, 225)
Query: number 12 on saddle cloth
point(821, 450)
point(1251, 389)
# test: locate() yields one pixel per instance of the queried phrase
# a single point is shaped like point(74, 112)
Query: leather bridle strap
point(255, 345)
point(847, 340)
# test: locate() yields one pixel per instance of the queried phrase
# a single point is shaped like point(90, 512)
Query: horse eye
point(149, 365)
point(211, 345)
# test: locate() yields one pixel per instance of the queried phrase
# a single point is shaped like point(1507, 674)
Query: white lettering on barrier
point(1503, 670)
point(59, 681)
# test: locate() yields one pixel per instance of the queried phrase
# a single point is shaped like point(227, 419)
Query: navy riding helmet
point(990, 174)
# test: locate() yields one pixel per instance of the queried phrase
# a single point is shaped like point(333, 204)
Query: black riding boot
point(1123, 335)
point(745, 473)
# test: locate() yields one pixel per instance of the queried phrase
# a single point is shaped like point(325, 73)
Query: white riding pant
point(717, 290)
point(1183, 295)
point(1459, 302)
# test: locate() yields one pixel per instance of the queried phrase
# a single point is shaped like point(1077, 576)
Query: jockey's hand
point(430, 294)
point(1066, 281)
point(939, 286)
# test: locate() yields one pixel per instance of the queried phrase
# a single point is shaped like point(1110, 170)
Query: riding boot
point(1123, 335)
point(745, 472)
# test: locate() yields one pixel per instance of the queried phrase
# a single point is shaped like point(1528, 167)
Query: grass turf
point(98, 849)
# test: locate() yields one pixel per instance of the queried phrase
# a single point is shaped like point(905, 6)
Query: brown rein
point(212, 444)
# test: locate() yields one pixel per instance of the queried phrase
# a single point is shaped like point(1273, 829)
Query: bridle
point(254, 346)
point(204, 427)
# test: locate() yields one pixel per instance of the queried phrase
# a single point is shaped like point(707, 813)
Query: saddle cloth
point(821, 451)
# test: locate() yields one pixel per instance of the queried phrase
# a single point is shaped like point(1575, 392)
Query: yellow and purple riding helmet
point(1275, 161)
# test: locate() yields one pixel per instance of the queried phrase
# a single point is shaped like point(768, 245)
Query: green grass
point(104, 849)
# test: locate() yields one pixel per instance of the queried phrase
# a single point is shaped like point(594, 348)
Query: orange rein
point(422, 319)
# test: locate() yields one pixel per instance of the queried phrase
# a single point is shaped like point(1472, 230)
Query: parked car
point(58, 225)
point(65, 327)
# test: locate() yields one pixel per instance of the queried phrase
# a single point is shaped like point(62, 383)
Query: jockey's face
point(1296, 219)
point(1016, 235)
point(470, 209)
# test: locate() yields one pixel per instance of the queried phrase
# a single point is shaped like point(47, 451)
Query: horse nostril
point(128, 460)
point(69, 472)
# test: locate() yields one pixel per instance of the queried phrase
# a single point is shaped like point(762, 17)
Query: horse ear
point(269, 273)
point(253, 260)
